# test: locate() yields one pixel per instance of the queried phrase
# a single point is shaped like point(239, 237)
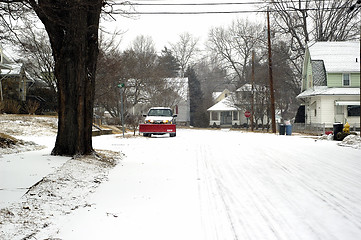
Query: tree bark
point(72, 27)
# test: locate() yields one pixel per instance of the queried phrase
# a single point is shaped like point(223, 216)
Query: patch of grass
point(7, 141)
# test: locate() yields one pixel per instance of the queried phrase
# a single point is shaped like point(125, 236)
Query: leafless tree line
point(227, 62)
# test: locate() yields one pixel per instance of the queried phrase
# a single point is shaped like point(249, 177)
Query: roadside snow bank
point(56, 195)
point(351, 141)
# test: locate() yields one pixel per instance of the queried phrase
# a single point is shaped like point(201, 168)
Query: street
point(219, 184)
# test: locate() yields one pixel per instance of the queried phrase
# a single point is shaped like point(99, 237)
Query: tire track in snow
point(269, 219)
point(212, 212)
point(315, 185)
point(243, 228)
point(336, 197)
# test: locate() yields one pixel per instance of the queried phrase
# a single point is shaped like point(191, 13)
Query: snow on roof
point(245, 88)
point(337, 56)
point(323, 90)
point(225, 104)
point(215, 95)
point(248, 88)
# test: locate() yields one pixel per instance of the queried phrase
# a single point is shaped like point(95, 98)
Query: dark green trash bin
point(282, 129)
point(337, 127)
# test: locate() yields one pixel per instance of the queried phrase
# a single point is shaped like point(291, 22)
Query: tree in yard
point(108, 76)
point(198, 115)
point(33, 45)
point(73, 32)
point(140, 71)
point(72, 27)
point(184, 50)
point(212, 77)
point(168, 63)
point(313, 20)
point(233, 46)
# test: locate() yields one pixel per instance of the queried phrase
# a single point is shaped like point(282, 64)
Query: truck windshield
point(160, 112)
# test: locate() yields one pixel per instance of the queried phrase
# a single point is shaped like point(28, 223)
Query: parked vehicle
point(159, 121)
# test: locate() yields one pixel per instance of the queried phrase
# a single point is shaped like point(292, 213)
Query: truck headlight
point(165, 121)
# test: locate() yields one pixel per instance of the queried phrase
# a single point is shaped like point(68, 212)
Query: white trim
point(345, 103)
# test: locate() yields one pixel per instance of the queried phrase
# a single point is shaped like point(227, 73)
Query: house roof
point(323, 90)
point(337, 56)
point(225, 104)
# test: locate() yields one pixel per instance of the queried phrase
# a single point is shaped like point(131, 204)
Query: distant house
point(331, 83)
point(14, 81)
point(181, 106)
point(224, 113)
point(230, 108)
point(218, 96)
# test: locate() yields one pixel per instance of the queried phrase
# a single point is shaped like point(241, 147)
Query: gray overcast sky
point(165, 28)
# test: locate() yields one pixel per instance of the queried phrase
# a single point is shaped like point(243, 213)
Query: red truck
point(159, 121)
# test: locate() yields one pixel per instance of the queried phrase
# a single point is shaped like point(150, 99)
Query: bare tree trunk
point(73, 33)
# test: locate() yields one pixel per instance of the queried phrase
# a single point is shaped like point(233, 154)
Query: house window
point(235, 115)
point(346, 79)
point(353, 110)
point(215, 116)
point(315, 112)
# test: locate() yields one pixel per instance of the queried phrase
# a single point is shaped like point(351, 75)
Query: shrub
point(32, 106)
point(12, 106)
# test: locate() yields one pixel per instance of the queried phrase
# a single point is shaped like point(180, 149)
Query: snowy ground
point(200, 185)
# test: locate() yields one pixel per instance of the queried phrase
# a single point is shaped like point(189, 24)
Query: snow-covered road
point(205, 185)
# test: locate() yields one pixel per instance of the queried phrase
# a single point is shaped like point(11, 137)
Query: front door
point(226, 118)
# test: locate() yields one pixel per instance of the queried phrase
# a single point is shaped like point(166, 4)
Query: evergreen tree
point(198, 116)
point(168, 63)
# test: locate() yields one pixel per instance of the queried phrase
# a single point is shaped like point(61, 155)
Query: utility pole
point(270, 76)
point(252, 93)
point(121, 87)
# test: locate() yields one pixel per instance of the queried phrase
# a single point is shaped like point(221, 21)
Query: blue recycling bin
point(289, 129)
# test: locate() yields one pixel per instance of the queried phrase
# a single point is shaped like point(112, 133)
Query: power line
point(135, 12)
point(188, 4)
point(225, 12)
point(209, 3)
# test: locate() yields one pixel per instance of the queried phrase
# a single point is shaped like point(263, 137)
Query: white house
point(182, 105)
point(14, 80)
point(331, 83)
point(230, 110)
point(224, 113)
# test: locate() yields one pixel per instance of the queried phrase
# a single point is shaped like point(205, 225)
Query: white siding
point(326, 110)
point(327, 115)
